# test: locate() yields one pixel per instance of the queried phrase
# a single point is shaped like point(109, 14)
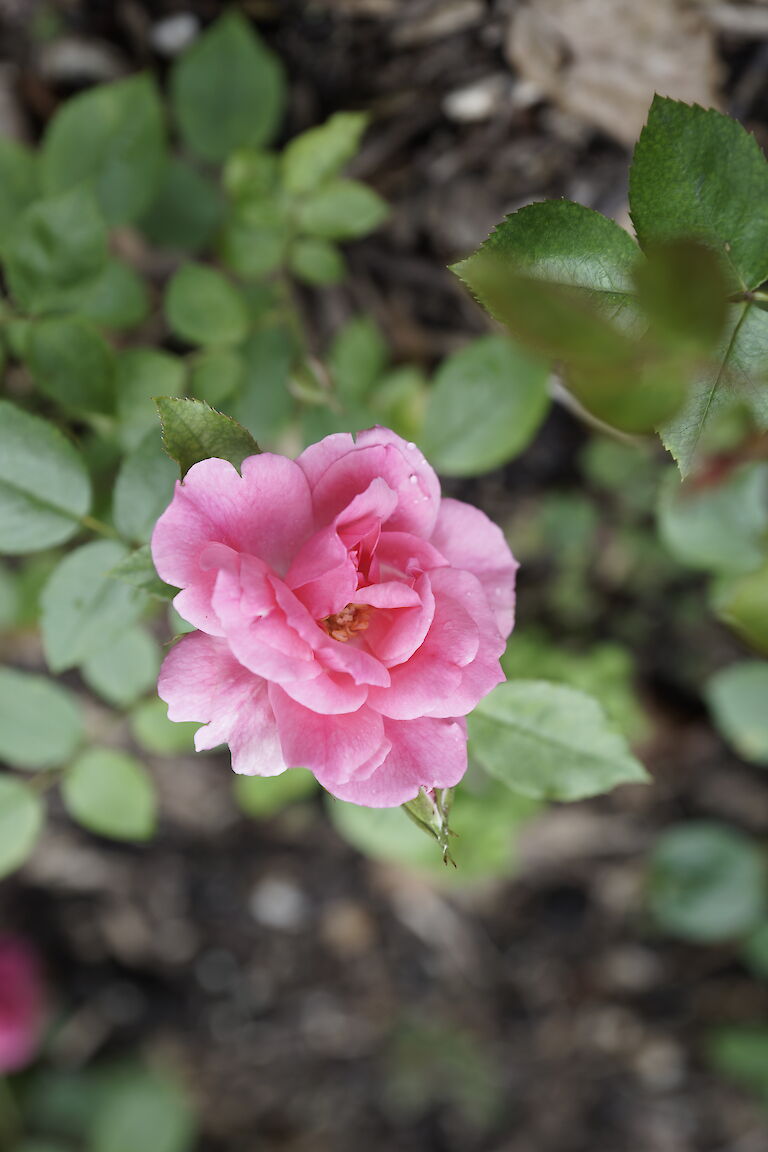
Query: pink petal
point(338, 470)
point(200, 680)
point(266, 512)
point(333, 747)
point(329, 694)
point(394, 636)
point(425, 753)
point(469, 540)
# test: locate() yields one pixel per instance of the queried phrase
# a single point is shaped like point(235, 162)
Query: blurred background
point(256, 978)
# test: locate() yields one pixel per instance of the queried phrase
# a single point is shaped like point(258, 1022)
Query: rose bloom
point(22, 1004)
point(348, 617)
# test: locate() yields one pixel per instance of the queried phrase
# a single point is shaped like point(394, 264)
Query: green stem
point(99, 526)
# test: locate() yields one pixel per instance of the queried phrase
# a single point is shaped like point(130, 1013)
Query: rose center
point(347, 623)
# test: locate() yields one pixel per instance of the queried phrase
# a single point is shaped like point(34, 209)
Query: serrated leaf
point(706, 882)
point(57, 243)
point(111, 794)
point(203, 307)
point(738, 698)
point(83, 608)
point(697, 174)
point(321, 152)
point(25, 741)
point(550, 742)
point(111, 137)
point(193, 431)
point(506, 391)
point(72, 363)
point(44, 485)
point(227, 89)
point(122, 673)
point(143, 489)
point(21, 819)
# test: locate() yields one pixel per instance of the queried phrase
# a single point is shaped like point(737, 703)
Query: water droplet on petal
point(413, 478)
point(410, 445)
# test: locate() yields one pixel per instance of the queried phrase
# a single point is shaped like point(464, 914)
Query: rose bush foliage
point(347, 617)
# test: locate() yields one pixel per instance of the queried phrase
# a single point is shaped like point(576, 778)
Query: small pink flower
point(22, 1004)
point(349, 618)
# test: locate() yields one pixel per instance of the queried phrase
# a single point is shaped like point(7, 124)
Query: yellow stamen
point(347, 623)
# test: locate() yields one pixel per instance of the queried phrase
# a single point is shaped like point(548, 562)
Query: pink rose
point(349, 618)
point(22, 1004)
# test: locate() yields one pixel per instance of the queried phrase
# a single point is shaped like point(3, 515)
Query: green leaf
point(738, 698)
point(111, 137)
point(156, 734)
point(254, 238)
point(721, 524)
point(116, 298)
point(317, 262)
point(697, 174)
point(214, 375)
point(72, 363)
point(203, 307)
point(193, 431)
point(681, 289)
point(186, 212)
point(356, 359)
point(737, 371)
point(21, 820)
point(342, 210)
point(251, 174)
point(262, 796)
point(313, 157)
point(706, 883)
point(122, 673)
point(44, 486)
point(742, 603)
point(140, 1109)
point(563, 244)
point(19, 182)
point(142, 374)
point(400, 401)
point(549, 742)
point(485, 816)
point(503, 388)
point(110, 793)
point(57, 244)
point(40, 722)
point(227, 90)
point(138, 570)
point(741, 1053)
point(755, 951)
point(143, 489)
point(264, 403)
point(83, 609)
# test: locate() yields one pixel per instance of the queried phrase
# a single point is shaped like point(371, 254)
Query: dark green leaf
point(738, 697)
point(254, 238)
point(252, 174)
point(143, 489)
point(112, 137)
point(342, 210)
point(313, 157)
point(187, 210)
point(203, 307)
point(742, 1055)
point(193, 431)
point(719, 524)
point(57, 244)
point(25, 741)
point(549, 742)
point(44, 486)
point(110, 793)
point(214, 375)
point(707, 882)
point(681, 289)
point(122, 673)
point(21, 819)
point(83, 608)
point(697, 174)
point(264, 403)
point(227, 90)
point(116, 298)
point(19, 181)
point(486, 405)
point(72, 363)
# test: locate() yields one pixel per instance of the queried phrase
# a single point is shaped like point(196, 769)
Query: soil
point(315, 1000)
